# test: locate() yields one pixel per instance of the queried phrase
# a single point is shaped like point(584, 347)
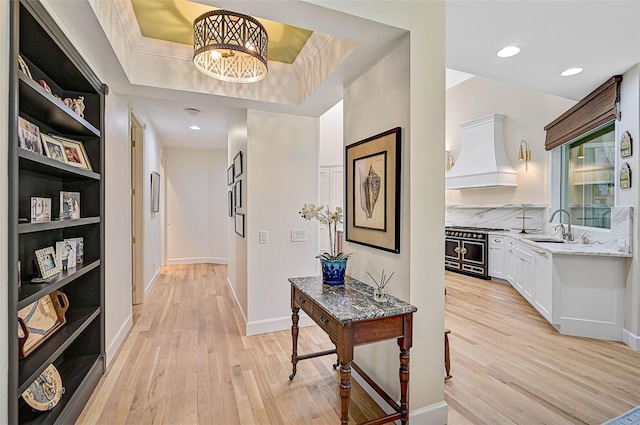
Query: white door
point(137, 140)
point(331, 192)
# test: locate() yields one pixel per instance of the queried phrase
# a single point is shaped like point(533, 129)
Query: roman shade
point(595, 110)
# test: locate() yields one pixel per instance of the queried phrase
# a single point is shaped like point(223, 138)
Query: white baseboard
point(117, 341)
point(631, 339)
point(235, 300)
point(435, 414)
point(149, 286)
point(278, 324)
point(195, 260)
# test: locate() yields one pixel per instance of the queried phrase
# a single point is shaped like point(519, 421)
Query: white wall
point(237, 246)
point(630, 121)
point(424, 66)
point(331, 144)
point(117, 262)
point(282, 175)
point(527, 112)
point(4, 206)
point(196, 206)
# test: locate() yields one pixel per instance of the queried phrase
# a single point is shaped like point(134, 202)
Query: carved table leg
point(345, 391)
point(294, 337)
point(404, 384)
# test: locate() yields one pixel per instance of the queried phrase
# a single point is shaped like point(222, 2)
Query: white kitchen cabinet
point(496, 256)
point(511, 263)
point(526, 272)
point(543, 300)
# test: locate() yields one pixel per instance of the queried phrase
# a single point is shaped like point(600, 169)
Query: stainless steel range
point(466, 250)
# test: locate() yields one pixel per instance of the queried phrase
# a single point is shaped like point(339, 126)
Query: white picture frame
point(66, 254)
point(155, 192)
point(46, 261)
point(40, 209)
point(53, 148)
point(29, 136)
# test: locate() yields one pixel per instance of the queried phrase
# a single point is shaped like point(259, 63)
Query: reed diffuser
point(379, 293)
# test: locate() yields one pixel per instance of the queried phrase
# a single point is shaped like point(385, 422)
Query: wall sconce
point(524, 154)
point(450, 163)
point(581, 152)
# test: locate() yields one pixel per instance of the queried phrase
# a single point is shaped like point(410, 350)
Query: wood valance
point(596, 109)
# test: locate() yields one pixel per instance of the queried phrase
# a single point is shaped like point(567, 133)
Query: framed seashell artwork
point(372, 169)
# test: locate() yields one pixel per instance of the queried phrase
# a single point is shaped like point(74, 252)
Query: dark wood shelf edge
point(61, 167)
point(55, 224)
point(37, 88)
point(31, 292)
point(77, 322)
point(79, 375)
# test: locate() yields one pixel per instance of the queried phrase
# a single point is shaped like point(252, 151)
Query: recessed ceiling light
point(508, 51)
point(194, 127)
point(571, 71)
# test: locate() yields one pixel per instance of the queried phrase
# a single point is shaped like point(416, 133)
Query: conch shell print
point(371, 191)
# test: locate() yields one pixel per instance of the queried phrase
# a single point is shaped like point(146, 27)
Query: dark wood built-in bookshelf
point(77, 348)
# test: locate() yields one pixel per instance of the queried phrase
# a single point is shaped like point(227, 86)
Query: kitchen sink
point(545, 239)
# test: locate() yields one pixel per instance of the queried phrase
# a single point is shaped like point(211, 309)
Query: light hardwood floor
point(510, 366)
point(185, 362)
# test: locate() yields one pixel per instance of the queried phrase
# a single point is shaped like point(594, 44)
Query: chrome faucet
point(568, 234)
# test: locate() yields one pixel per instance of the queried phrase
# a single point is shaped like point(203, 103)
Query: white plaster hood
point(482, 161)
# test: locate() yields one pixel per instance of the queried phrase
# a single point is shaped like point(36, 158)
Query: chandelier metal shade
point(230, 47)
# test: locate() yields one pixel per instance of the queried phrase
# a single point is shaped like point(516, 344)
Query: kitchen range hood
point(482, 161)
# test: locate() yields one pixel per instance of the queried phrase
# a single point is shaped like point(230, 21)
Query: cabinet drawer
point(302, 301)
point(326, 322)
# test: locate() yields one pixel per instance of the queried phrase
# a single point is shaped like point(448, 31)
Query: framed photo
point(74, 153)
point(230, 202)
point(29, 136)
point(40, 209)
point(230, 175)
point(53, 148)
point(372, 169)
point(66, 254)
point(79, 249)
point(240, 224)
point(237, 164)
point(22, 65)
point(155, 192)
point(626, 145)
point(237, 194)
point(69, 205)
point(46, 262)
point(625, 176)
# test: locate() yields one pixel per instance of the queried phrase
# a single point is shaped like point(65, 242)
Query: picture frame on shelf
point(79, 249)
point(46, 262)
point(39, 320)
point(239, 224)
point(66, 254)
point(237, 194)
point(230, 176)
point(22, 65)
point(155, 192)
point(372, 216)
point(53, 148)
point(74, 152)
point(40, 209)
point(69, 205)
point(29, 136)
point(237, 164)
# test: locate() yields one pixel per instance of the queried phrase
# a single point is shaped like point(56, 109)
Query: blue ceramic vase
point(333, 272)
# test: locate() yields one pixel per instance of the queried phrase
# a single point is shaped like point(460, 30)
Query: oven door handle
point(457, 250)
point(463, 251)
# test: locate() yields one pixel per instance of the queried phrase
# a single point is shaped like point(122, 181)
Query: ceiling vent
point(482, 161)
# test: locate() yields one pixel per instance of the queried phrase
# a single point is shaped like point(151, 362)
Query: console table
point(350, 316)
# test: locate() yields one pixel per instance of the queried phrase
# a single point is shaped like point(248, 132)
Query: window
point(588, 178)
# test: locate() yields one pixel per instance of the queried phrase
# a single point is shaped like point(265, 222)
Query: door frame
point(136, 139)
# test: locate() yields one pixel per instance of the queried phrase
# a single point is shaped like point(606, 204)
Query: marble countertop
point(567, 248)
point(351, 302)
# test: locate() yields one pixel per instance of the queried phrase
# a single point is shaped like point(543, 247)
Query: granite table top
point(350, 302)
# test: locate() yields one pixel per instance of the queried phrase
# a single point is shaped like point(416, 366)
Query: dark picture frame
point(230, 205)
point(239, 224)
point(372, 187)
point(230, 173)
point(237, 164)
point(155, 192)
point(237, 194)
